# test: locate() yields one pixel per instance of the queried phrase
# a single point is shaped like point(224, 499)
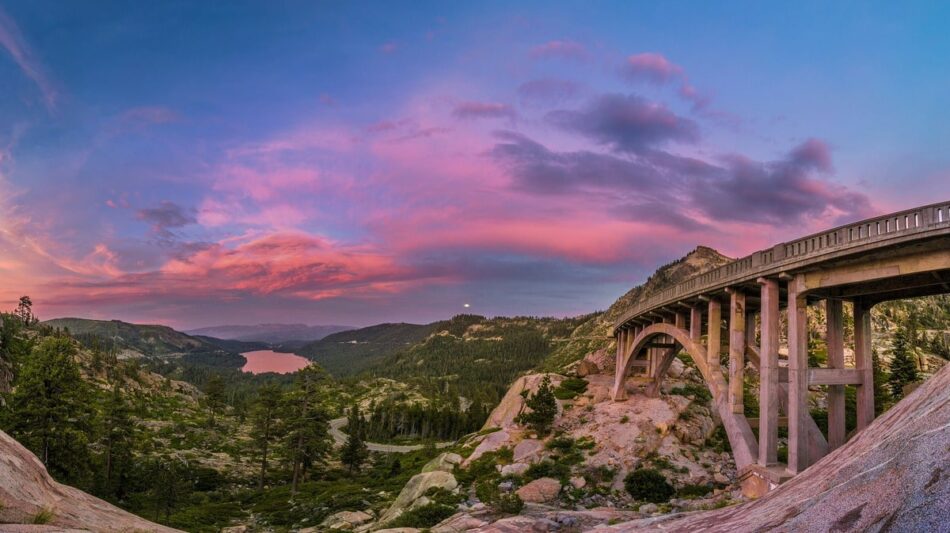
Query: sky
point(205, 163)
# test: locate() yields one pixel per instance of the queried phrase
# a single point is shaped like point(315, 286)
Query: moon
point(467, 305)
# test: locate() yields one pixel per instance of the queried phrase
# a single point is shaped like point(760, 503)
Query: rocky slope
point(30, 496)
point(893, 476)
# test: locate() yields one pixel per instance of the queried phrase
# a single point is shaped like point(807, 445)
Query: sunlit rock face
point(26, 490)
point(893, 476)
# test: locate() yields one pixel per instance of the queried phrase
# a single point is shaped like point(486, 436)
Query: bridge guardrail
point(885, 227)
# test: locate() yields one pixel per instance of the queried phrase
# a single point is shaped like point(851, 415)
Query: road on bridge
point(339, 439)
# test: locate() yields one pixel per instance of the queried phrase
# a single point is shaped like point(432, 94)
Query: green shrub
point(488, 493)
point(423, 517)
point(647, 484)
point(557, 470)
point(570, 388)
point(699, 392)
point(694, 491)
point(43, 517)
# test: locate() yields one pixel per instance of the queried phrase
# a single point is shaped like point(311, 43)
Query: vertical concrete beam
point(737, 339)
point(835, 339)
point(620, 389)
point(797, 376)
point(680, 320)
point(862, 361)
point(768, 373)
point(713, 333)
point(695, 323)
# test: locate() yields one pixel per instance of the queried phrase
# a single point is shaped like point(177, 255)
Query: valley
point(415, 424)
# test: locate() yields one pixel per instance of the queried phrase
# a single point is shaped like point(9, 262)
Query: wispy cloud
point(12, 40)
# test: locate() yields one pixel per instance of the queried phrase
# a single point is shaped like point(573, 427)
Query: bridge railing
point(884, 227)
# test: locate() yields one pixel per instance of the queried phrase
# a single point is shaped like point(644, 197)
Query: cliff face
point(27, 491)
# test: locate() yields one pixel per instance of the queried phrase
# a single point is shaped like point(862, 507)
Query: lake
point(261, 361)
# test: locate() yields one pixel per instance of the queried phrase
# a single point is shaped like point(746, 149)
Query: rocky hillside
point(30, 496)
point(893, 476)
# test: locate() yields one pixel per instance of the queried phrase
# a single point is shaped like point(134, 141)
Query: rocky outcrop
point(893, 476)
point(444, 462)
point(596, 362)
point(346, 520)
point(27, 490)
point(540, 490)
point(512, 404)
point(415, 489)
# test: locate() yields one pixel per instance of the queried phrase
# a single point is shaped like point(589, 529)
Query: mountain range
point(269, 333)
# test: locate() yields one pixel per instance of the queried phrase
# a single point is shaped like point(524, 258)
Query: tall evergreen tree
point(214, 396)
point(306, 423)
point(543, 408)
point(118, 443)
point(264, 424)
point(50, 410)
point(354, 452)
point(903, 367)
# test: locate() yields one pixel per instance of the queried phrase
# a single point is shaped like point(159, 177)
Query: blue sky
point(198, 163)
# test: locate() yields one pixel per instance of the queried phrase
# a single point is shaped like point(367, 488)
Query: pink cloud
point(652, 67)
point(655, 68)
point(388, 47)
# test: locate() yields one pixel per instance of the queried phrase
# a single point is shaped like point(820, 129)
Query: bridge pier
point(768, 373)
point(834, 335)
point(798, 459)
point(737, 345)
point(862, 362)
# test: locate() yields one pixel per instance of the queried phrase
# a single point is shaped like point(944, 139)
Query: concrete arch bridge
point(735, 308)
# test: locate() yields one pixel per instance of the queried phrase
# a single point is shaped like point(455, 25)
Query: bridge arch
point(737, 428)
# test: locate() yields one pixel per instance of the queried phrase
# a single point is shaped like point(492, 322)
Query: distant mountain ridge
point(350, 352)
point(269, 333)
point(153, 340)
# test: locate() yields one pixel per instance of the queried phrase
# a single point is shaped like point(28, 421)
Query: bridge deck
point(909, 227)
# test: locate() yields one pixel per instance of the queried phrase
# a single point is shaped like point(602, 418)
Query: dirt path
point(339, 439)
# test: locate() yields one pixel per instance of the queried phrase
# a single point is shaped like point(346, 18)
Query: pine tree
point(354, 452)
point(306, 423)
point(214, 396)
point(50, 411)
point(903, 368)
point(118, 442)
point(264, 424)
point(543, 407)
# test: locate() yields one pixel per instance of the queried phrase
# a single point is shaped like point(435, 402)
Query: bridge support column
point(620, 390)
point(834, 336)
point(713, 333)
point(797, 376)
point(862, 361)
point(695, 323)
point(768, 373)
point(737, 344)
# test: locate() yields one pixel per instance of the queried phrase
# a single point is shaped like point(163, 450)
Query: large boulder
point(415, 488)
point(541, 490)
point(444, 461)
point(528, 450)
point(346, 520)
point(458, 523)
point(490, 443)
point(26, 490)
point(597, 362)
